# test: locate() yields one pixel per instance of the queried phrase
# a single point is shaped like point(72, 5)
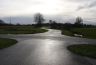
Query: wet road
point(44, 49)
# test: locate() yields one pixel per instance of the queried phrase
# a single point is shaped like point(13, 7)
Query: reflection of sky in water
point(50, 52)
point(41, 52)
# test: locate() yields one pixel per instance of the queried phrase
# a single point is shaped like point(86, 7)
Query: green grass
point(20, 30)
point(86, 32)
point(87, 50)
point(66, 32)
point(4, 42)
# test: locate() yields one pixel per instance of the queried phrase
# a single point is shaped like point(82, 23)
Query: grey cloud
point(90, 5)
point(79, 0)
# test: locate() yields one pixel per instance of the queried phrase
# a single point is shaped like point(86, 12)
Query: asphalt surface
point(44, 49)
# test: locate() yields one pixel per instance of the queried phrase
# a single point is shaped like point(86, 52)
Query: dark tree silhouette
point(39, 19)
point(50, 21)
point(79, 22)
point(2, 22)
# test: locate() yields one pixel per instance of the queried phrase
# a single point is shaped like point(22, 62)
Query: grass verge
point(83, 50)
point(4, 42)
point(20, 30)
point(86, 32)
point(66, 32)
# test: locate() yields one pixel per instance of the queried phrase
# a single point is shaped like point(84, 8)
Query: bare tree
point(39, 19)
point(79, 22)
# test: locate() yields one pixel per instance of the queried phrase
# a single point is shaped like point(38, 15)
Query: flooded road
point(43, 49)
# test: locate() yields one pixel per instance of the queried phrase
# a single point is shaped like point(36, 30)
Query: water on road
point(43, 49)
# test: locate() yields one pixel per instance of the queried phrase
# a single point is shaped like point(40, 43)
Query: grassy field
point(86, 32)
point(4, 42)
point(84, 50)
point(20, 30)
point(66, 32)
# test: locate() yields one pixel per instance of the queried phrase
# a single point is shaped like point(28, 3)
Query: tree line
point(39, 19)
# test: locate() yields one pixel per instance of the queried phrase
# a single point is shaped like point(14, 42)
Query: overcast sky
point(83, 8)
